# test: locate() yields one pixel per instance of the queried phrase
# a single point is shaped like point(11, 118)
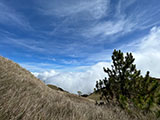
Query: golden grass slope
point(24, 97)
point(55, 87)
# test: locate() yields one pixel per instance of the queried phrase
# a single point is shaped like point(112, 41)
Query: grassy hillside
point(55, 87)
point(94, 96)
point(24, 97)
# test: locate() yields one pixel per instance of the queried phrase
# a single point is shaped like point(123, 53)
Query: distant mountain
point(24, 97)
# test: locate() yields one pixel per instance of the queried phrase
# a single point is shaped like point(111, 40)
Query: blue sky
point(75, 36)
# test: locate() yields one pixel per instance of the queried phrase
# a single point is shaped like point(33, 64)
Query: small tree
point(79, 93)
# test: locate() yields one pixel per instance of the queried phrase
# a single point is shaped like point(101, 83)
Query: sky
point(68, 42)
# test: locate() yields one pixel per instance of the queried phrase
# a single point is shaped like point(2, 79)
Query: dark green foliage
point(120, 77)
point(125, 85)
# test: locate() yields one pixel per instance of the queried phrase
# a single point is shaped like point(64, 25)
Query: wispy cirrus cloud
point(124, 21)
point(108, 28)
point(93, 33)
point(40, 67)
point(74, 16)
point(23, 43)
point(9, 16)
point(93, 16)
point(95, 8)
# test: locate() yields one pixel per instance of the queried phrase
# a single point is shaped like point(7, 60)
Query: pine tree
point(125, 84)
point(120, 76)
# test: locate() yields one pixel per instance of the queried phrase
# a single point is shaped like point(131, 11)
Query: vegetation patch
point(126, 86)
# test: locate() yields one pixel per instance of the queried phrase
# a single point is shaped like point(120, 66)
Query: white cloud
point(74, 81)
point(148, 53)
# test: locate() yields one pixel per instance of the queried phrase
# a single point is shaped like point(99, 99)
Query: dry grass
point(24, 97)
point(94, 96)
point(55, 87)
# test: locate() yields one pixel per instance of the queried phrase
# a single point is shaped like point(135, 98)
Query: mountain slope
point(24, 97)
point(55, 87)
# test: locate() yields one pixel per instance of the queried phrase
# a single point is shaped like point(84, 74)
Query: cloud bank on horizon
point(67, 43)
